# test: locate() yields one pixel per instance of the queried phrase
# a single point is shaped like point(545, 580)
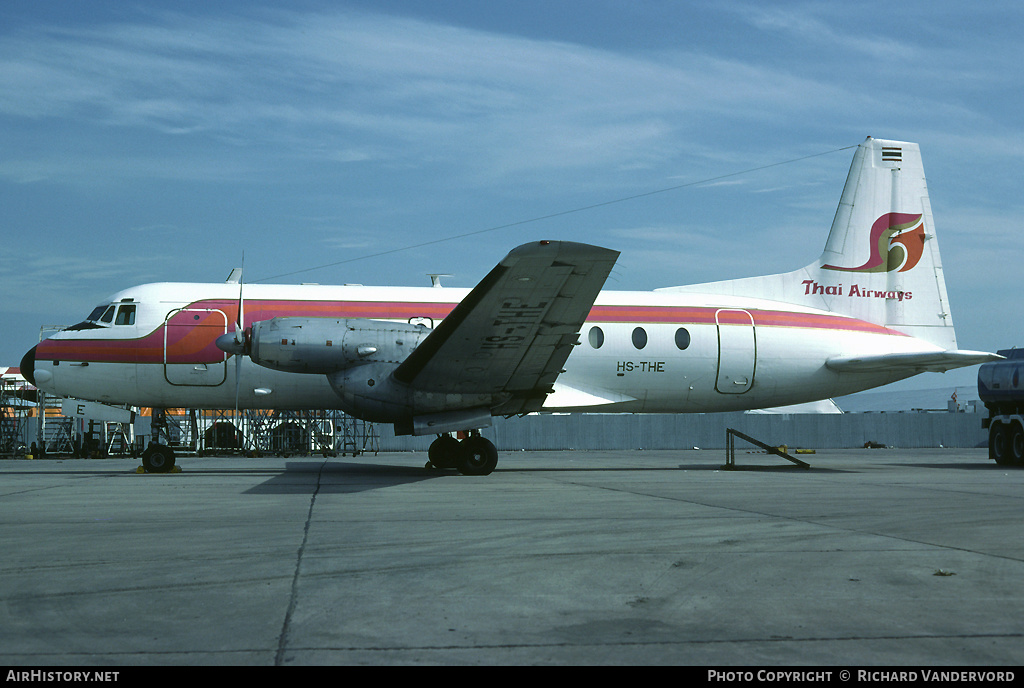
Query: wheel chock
point(142, 469)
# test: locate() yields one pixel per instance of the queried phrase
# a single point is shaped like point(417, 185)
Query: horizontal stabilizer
point(917, 361)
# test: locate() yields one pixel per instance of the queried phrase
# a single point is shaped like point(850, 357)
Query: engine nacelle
point(372, 393)
point(359, 358)
point(327, 345)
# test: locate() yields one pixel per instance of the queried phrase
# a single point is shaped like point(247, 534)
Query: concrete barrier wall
point(706, 431)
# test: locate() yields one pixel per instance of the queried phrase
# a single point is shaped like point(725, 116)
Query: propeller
point(239, 341)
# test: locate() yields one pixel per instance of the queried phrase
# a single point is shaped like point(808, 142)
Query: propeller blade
point(238, 380)
point(240, 323)
point(239, 335)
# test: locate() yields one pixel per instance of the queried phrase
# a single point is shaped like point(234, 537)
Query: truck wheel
point(999, 444)
point(1017, 444)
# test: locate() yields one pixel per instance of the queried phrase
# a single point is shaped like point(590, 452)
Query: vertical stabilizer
point(881, 260)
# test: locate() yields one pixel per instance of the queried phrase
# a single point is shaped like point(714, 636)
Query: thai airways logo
point(897, 244)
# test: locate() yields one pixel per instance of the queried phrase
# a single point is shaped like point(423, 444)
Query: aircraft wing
point(512, 334)
point(923, 361)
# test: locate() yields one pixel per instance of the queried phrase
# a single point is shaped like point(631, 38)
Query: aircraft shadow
point(345, 477)
point(334, 477)
point(352, 478)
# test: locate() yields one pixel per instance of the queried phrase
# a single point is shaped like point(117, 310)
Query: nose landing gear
point(475, 455)
point(158, 458)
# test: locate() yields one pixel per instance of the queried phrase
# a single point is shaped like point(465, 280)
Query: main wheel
point(158, 459)
point(477, 456)
point(443, 452)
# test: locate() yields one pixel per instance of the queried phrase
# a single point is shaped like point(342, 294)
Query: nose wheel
point(158, 458)
point(475, 455)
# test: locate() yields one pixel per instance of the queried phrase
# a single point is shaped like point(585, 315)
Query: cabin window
point(682, 338)
point(108, 315)
point(639, 337)
point(596, 337)
point(125, 315)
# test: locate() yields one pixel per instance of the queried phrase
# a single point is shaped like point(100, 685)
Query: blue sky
point(158, 141)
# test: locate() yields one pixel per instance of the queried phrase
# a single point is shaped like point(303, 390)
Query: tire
point(477, 456)
point(443, 452)
point(1016, 444)
point(158, 459)
point(999, 444)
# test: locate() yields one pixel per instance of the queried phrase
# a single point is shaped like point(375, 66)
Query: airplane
point(537, 334)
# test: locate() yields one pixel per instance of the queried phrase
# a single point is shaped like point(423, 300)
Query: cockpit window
point(90, 322)
point(125, 315)
point(108, 314)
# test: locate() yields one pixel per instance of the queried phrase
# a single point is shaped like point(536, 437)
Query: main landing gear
point(475, 455)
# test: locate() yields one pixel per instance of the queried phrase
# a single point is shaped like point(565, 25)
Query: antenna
point(435, 279)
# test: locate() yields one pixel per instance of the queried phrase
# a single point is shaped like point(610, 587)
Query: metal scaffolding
point(264, 432)
point(14, 410)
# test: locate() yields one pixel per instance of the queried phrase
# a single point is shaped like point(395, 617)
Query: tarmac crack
point(282, 639)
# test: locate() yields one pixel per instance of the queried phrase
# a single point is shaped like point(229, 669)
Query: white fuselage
point(639, 352)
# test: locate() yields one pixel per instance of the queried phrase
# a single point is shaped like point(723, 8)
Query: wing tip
point(564, 250)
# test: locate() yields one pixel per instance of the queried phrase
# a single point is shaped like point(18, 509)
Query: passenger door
point(737, 351)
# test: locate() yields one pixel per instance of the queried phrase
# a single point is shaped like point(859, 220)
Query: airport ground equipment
point(1001, 388)
point(730, 450)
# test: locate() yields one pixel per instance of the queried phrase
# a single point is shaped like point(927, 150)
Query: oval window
point(639, 338)
point(596, 337)
point(682, 338)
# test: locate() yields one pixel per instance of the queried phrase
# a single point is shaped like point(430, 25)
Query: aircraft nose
point(28, 366)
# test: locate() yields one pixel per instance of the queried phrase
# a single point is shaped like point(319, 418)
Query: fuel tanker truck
point(1001, 387)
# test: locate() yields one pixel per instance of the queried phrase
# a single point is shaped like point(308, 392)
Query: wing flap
point(512, 334)
point(918, 361)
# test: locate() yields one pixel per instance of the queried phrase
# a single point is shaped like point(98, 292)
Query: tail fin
point(882, 248)
point(881, 261)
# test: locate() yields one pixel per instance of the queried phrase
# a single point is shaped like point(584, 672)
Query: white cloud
point(329, 84)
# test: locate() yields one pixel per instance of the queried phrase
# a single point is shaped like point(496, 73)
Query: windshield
point(104, 315)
